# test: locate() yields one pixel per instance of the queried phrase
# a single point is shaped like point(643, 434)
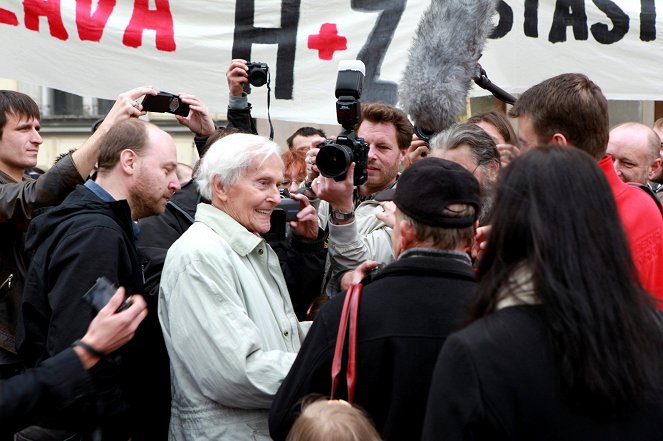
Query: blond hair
point(332, 420)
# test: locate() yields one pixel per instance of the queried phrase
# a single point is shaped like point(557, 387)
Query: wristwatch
point(338, 215)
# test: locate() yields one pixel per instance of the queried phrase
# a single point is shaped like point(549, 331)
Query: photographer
point(64, 380)
point(355, 233)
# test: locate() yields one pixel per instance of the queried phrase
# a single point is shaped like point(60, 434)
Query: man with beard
point(355, 233)
point(472, 147)
point(92, 234)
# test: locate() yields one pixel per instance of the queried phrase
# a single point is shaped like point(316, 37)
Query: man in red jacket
point(570, 109)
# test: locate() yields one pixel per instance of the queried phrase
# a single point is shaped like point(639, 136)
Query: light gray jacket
point(229, 327)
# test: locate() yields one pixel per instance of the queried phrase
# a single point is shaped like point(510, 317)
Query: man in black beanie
point(406, 311)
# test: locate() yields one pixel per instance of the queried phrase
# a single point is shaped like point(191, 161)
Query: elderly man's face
point(251, 200)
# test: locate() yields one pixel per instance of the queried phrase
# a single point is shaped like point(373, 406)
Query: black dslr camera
point(335, 157)
point(258, 74)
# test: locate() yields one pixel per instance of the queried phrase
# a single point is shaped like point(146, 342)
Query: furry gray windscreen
point(443, 60)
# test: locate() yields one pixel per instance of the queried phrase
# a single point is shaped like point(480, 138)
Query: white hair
point(231, 156)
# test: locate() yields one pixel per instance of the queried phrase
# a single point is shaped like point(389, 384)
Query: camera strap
point(269, 93)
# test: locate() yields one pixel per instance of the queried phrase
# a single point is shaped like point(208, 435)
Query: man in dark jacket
point(92, 234)
point(406, 311)
point(21, 196)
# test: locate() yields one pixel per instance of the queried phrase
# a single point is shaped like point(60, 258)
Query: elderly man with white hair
point(227, 318)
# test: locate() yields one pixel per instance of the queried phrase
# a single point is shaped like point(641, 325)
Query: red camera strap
point(349, 317)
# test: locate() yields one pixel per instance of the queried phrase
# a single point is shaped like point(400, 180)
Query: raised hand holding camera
point(335, 156)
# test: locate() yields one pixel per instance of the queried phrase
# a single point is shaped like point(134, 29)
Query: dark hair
point(570, 104)
point(500, 122)
point(384, 113)
point(305, 132)
point(17, 104)
point(128, 134)
point(555, 217)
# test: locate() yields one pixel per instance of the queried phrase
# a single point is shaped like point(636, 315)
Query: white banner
point(103, 47)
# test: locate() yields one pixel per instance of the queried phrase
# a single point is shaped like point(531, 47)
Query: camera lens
point(257, 76)
point(333, 159)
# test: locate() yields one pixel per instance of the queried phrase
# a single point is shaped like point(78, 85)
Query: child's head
point(332, 420)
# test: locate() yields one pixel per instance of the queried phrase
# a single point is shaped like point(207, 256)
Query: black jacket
point(75, 243)
point(497, 380)
point(19, 201)
point(48, 390)
point(405, 315)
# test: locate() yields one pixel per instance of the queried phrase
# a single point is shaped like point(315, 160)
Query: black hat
point(430, 185)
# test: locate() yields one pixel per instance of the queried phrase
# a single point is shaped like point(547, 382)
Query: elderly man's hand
point(357, 275)
point(199, 120)
point(338, 194)
point(306, 225)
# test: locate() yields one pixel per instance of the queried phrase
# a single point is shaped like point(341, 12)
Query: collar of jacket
point(426, 264)
point(241, 240)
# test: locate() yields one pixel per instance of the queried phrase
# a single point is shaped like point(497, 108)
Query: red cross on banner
point(327, 41)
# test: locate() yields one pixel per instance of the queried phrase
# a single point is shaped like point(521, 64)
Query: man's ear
point(559, 139)
point(407, 235)
point(128, 160)
point(219, 190)
point(655, 167)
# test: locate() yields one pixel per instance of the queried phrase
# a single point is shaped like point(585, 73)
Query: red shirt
point(643, 225)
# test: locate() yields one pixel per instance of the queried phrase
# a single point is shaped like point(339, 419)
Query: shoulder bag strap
point(349, 314)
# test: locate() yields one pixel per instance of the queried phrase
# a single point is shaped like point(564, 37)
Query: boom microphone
point(443, 61)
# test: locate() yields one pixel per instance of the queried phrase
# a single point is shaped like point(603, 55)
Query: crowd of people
point(511, 283)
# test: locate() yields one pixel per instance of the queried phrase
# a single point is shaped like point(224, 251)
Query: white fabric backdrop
point(195, 56)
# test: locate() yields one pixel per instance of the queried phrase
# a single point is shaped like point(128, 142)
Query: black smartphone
point(101, 292)
point(165, 102)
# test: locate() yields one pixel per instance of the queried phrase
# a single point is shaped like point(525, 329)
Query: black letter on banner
point(372, 53)
point(246, 34)
point(531, 25)
point(506, 21)
point(619, 20)
point(569, 13)
point(647, 20)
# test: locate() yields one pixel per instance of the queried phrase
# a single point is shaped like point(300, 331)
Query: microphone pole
point(481, 80)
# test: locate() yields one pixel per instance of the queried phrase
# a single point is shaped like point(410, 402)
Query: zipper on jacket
point(8, 282)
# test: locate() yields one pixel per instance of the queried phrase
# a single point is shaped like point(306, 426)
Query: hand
point(312, 171)
point(480, 241)
point(110, 330)
point(237, 75)
point(306, 225)
point(357, 275)
point(508, 153)
point(338, 194)
point(199, 120)
point(125, 107)
point(388, 216)
point(418, 149)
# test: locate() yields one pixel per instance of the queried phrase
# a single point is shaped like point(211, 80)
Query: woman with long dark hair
point(563, 343)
